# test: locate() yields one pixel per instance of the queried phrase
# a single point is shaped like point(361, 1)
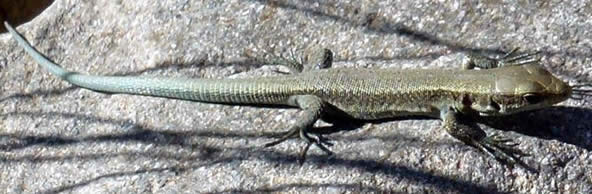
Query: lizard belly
point(374, 111)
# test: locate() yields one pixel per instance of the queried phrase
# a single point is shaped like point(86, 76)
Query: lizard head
point(523, 88)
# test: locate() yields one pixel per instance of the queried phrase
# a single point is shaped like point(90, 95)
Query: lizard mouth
point(492, 113)
point(485, 114)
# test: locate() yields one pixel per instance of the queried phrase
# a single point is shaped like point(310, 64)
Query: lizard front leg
point(509, 59)
point(312, 107)
point(502, 149)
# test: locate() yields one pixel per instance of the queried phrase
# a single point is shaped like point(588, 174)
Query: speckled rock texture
point(58, 138)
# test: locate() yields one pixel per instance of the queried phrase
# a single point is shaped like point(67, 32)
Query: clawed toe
point(320, 141)
point(503, 149)
point(284, 137)
point(509, 59)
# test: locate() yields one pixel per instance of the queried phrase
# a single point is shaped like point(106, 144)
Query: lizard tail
point(44, 61)
point(232, 91)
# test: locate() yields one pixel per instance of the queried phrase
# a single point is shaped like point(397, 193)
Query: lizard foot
point(312, 109)
point(501, 148)
point(509, 59)
point(320, 141)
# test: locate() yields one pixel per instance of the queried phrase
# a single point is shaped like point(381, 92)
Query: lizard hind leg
point(320, 58)
point(312, 107)
point(502, 149)
point(326, 59)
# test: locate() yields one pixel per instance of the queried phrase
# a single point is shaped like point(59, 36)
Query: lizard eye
point(532, 98)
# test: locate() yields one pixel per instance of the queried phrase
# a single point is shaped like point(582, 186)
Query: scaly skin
point(504, 86)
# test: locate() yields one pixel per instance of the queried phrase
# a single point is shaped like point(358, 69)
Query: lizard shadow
point(565, 124)
point(209, 154)
point(414, 176)
point(206, 156)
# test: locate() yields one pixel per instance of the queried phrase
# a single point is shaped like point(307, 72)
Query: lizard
point(483, 87)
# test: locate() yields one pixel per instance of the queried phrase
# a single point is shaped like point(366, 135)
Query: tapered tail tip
point(8, 26)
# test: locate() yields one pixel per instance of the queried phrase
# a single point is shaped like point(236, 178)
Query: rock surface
point(55, 137)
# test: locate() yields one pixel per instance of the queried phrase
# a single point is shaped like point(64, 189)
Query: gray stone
point(55, 137)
